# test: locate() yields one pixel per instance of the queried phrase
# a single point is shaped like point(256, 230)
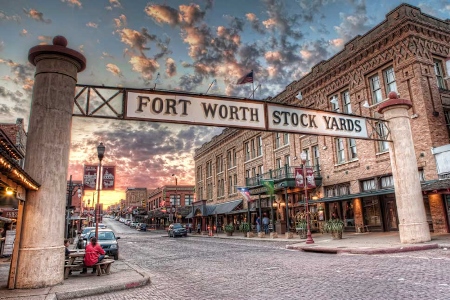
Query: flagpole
point(253, 86)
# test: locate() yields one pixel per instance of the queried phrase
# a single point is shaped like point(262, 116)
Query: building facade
point(407, 53)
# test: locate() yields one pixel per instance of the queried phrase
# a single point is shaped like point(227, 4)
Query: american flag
point(245, 193)
point(246, 78)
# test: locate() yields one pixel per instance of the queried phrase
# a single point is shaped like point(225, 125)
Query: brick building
point(407, 53)
point(169, 199)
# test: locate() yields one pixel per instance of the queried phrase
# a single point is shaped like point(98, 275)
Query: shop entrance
point(389, 209)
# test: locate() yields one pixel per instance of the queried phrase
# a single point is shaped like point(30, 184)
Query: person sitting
point(94, 254)
point(66, 245)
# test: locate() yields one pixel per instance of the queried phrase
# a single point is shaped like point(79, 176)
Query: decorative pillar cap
point(393, 101)
point(58, 47)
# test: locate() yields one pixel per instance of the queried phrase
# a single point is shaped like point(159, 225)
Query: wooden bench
point(102, 267)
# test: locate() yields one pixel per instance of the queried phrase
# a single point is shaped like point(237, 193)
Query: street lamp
point(100, 152)
point(176, 197)
point(70, 193)
point(309, 239)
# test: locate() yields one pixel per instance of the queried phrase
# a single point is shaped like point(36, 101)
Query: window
point(209, 191)
point(208, 169)
point(259, 145)
point(278, 163)
point(277, 140)
point(308, 159)
point(369, 185)
point(439, 71)
point(340, 151)
point(234, 181)
point(381, 129)
point(188, 199)
point(387, 182)
point(231, 158)
point(337, 190)
point(389, 79)
point(254, 172)
point(334, 103)
point(219, 164)
point(447, 119)
point(199, 173)
point(260, 170)
point(287, 160)
point(247, 173)
point(316, 156)
point(352, 150)
point(286, 138)
point(175, 199)
point(230, 185)
point(346, 100)
point(253, 148)
point(247, 151)
point(375, 89)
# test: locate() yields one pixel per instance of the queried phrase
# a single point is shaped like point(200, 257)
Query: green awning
point(359, 195)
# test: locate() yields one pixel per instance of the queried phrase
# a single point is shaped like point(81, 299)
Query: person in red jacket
point(94, 254)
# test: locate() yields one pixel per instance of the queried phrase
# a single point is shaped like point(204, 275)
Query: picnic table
point(75, 262)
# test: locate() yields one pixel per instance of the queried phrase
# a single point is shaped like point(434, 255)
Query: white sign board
point(308, 121)
point(195, 110)
point(9, 242)
point(251, 114)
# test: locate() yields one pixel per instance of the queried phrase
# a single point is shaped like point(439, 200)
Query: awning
point(227, 207)
point(359, 195)
point(442, 185)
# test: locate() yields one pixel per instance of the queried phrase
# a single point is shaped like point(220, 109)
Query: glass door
point(390, 214)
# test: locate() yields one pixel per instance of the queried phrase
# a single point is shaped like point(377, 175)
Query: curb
point(368, 251)
point(106, 288)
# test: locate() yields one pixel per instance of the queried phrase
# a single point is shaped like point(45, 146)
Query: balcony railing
point(286, 172)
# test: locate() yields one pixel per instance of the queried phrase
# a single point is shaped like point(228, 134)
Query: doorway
point(390, 218)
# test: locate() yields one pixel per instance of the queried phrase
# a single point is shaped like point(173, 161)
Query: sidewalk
point(123, 276)
point(354, 243)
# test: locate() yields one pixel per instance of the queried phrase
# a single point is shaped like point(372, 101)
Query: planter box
point(261, 234)
point(229, 233)
point(250, 234)
point(273, 235)
point(289, 235)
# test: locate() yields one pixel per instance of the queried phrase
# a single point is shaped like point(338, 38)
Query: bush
point(229, 228)
point(244, 227)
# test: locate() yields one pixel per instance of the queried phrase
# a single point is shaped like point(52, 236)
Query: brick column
point(41, 253)
point(413, 226)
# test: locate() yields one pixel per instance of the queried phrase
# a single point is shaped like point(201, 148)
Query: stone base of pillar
point(289, 235)
point(414, 233)
point(261, 234)
point(39, 271)
point(273, 235)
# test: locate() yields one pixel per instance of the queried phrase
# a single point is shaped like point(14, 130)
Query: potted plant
point(229, 229)
point(244, 227)
point(300, 227)
point(335, 227)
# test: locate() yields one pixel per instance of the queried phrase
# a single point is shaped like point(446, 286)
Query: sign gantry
point(211, 110)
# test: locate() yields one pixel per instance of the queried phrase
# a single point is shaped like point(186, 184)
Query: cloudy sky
point(189, 44)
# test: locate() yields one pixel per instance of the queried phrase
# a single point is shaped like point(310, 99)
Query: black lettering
point(184, 106)
point(276, 117)
point(244, 110)
point(343, 125)
point(302, 117)
point(334, 124)
point(327, 120)
point(223, 111)
point(208, 109)
point(233, 113)
point(294, 119)
point(285, 115)
point(170, 104)
point(141, 102)
point(254, 115)
point(350, 125)
point(157, 105)
point(312, 122)
point(357, 126)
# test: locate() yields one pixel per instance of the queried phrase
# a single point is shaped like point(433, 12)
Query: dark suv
point(108, 240)
point(177, 229)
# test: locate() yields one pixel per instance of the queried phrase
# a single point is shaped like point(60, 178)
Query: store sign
point(90, 177)
point(251, 114)
point(10, 214)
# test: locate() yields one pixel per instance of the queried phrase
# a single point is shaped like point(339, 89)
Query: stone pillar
point(413, 226)
point(41, 253)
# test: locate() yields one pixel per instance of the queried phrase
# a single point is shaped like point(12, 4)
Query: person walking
point(258, 224)
point(199, 227)
point(265, 221)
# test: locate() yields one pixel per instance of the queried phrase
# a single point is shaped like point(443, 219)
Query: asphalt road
point(205, 268)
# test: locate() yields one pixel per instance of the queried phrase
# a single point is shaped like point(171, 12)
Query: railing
point(286, 172)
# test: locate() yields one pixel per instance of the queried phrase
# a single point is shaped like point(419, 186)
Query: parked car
point(81, 243)
point(177, 229)
point(107, 239)
point(100, 225)
point(127, 222)
point(143, 227)
point(133, 224)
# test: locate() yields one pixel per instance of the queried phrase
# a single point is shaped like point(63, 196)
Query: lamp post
point(100, 153)
point(176, 197)
point(309, 239)
point(70, 194)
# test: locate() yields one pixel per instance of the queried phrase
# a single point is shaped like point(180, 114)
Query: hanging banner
point(108, 177)
point(90, 177)
point(300, 178)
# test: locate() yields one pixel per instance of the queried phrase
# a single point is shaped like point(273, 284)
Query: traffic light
point(144, 203)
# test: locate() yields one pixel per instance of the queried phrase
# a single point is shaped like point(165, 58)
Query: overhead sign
point(90, 177)
point(195, 110)
point(251, 114)
point(109, 177)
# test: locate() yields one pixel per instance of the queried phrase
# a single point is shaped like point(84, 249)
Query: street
point(209, 268)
